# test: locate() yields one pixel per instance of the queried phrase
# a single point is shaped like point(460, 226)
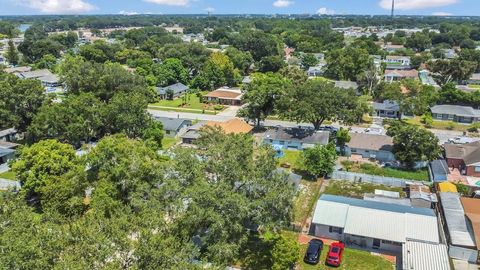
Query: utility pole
point(393, 8)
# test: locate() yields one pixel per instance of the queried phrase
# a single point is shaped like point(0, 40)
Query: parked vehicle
point(334, 256)
point(312, 256)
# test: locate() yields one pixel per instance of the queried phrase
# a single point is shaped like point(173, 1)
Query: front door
point(376, 243)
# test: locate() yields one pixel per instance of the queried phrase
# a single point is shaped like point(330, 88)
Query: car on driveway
point(334, 256)
point(312, 256)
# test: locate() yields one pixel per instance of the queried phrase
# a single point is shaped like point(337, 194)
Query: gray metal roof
point(36, 74)
point(386, 105)
point(459, 231)
point(173, 123)
point(302, 135)
point(6, 184)
point(424, 256)
point(439, 167)
point(385, 199)
point(5, 152)
point(346, 85)
point(176, 88)
point(455, 110)
point(9, 131)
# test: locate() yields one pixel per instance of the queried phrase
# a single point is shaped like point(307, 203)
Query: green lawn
point(352, 259)
point(291, 158)
point(8, 175)
point(367, 168)
point(193, 103)
point(168, 142)
point(445, 125)
point(356, 190)
point(475, 86)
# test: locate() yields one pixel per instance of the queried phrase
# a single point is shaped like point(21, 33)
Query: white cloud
point(210, 9)
point(442, 14)
point(123, 12)
point(282, 3)
point(325, 11)
point(415, 4)
point(58, 6)
point(182, 3)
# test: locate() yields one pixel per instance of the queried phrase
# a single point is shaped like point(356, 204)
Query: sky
point(127, 7)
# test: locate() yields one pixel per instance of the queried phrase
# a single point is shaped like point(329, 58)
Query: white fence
point(367, 178)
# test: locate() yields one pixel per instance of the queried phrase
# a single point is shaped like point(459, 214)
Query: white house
point(396, 59)
point(373, 225)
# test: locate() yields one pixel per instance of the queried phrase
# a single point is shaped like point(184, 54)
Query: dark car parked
point(312, 256)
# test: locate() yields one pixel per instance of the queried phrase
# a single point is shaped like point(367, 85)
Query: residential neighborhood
point(185, 136)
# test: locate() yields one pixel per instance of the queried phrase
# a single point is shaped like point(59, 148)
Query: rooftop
point(425, 256)
point(472, 210)
point(226, 93)
point(387, 221)
point(176, 88)
point(370, 142)
point(302, 135)
point(455, 110)
point(172, 123)
point(233, 126)
point(460, 234)
point(402, 73)
point(469, 152)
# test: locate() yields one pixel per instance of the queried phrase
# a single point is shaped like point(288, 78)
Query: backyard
point(257, 257)
point(187, 103)
point(445, 125)
point(168, 142)
point(356, 190)
point(368, 168)
point(290, 159)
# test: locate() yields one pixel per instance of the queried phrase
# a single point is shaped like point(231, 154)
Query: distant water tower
point(393, 7)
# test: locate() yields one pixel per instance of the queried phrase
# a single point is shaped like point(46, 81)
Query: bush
point(473, 128)
point(218, 107)
point(427, 120)
point(450, 125)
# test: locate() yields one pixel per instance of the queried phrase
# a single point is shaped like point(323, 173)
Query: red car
point(334, 256)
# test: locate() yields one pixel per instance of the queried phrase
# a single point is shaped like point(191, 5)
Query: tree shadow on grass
point(256, 255)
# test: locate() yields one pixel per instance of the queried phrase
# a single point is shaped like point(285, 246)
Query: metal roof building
point(392, 222)
point(424, 256)
point(460, 233)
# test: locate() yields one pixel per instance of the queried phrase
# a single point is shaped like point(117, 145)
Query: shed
point(438, 170)
point(425, 256)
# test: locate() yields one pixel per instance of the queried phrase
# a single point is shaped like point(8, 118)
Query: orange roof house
point(472, 211)
point(233, 126)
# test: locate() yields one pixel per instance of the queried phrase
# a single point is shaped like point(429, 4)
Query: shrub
point(450, 125)
point(427, 120)
point(218, 107)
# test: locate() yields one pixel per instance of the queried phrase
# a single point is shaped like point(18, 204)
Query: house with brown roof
point(471, 207)
point(226, 96)
point(233, 126)
point(392, 75)
point(370, 146)
point(464, 157)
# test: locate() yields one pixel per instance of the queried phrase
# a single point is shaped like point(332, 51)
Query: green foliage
point(319, 160)
point(427, 120)
point(309, 60)
point(347, 64)
point(343, 137)
point(284, 253)
point(19, 101)
point(47, 61)
point(12, 54)
point(271, 63)
point(454, 70)
point(171, 71)
point(413, 143)
point(218, 71)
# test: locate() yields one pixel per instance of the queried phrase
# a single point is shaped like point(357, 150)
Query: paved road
point(442, 135)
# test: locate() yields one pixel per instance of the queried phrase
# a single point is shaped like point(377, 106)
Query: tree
point(347, 64)
point(295, 74)
point(284, 253)
point(271, 63)
point(319, 160)
point(12, 54)
point(47, 61)
point(262, 95)
point(309, 60)
point(419, 42)
point(317, 101)
point(241, 60)
point(218, 71)
point(455, 70)
point(36, 164)
point(412, 144)
point(171, 71)
point(343, 137)
point(20, 99)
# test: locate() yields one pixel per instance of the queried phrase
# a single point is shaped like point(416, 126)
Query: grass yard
point(445, 125)
point(367, 168)
point(192, 104)
point(308, 194)
point(356, 190)
point(353, 259)
point(292, 158)
point(168, 142)
point(8, 175)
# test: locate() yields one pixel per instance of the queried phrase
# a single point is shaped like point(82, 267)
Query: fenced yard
point(368, 178)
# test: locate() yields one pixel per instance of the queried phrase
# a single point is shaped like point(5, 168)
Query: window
point(354, 150)
point(439, 116)
point(477, 168)
point(450, 117)
point(335, 230)
point(388, 242)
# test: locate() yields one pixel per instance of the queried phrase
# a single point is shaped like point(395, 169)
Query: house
point(426, 79)
point(386, 197)
point(458, 231)
point(347, 85)
point(6, 154)
point(232, 126)
point(387, 109)
point(424, 256)
point(174, 126)
point(398, 75)
point(390, 48)
point(421, 196)
point(456, 113)
point(438, 170)
point(46, 77)
point(397, 60)
point(295, 138)
point(373, 225)
point(177, 89)
point(17, 70)
point(464, 157)
point(316, 71)
point(372, 146)
point(8, 135)
point(226, 96)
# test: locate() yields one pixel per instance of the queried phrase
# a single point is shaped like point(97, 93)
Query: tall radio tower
point(393, 8)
